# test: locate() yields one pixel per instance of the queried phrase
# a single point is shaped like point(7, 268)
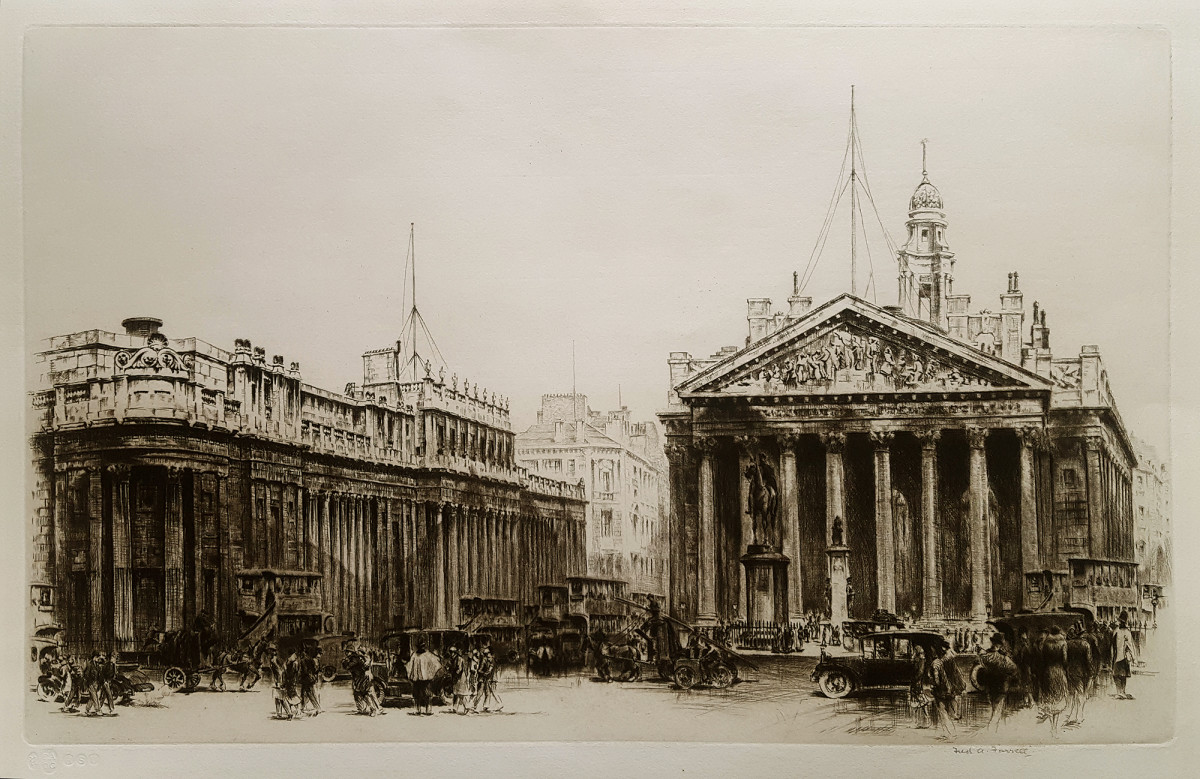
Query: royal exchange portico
point(867, 460)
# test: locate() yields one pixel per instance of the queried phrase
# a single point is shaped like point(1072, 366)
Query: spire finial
point(924, 167)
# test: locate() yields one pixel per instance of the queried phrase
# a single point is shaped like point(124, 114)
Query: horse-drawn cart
point(179, 656)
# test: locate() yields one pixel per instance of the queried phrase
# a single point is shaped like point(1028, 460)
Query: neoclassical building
point(173, 477)
point(623, 470)
point(921, 458)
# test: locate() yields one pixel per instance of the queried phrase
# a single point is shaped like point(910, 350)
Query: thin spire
point(574, 397)
point(924, 167)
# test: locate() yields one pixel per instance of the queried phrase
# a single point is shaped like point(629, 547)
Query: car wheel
point(328, 673)
point(686, 677)
point(836, 684)
point(174, 678)
point(194, 680)
point(45, 692)
point(722, 677)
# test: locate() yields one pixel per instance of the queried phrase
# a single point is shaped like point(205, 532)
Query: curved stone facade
point(174, 478)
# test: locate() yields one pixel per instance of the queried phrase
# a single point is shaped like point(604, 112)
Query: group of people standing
point(1057, 671)
point(90, 684)
point(294, 681)
point(472, 677)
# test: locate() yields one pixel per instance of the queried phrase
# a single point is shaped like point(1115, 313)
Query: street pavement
point(777, 702)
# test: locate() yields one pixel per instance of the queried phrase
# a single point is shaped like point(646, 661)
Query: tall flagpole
point(412, 316)
point(853, 203)
point(574, 400)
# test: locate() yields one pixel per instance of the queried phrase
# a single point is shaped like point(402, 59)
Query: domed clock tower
point(926, 262)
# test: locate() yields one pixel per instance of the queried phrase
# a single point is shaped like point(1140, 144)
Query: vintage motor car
point(885, 659)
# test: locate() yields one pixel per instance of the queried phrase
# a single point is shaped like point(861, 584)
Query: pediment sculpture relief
point(846, 361)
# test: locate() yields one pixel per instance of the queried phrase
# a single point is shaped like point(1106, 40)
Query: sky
point(625, 189)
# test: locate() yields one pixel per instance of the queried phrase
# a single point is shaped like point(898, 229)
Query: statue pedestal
point(766, 583)
point(839, 576)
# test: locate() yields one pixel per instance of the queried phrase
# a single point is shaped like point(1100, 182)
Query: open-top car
point(884, 659)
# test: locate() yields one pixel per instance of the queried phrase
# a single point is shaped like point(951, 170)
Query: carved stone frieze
point(156, 357)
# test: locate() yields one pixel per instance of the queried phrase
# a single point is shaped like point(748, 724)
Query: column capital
point(977, 437)
point(789, 439)
point(174, 471)
point(746, 443)
point(706, 444)
point(119, 470)
point(928, 438)
point(1094, 443)
point(1033, 438)
point(677, 451)
point(882, 439)
point(834, 440)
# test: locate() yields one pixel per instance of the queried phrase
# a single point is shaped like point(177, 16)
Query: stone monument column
point(885, 541)
point(978, 518)
point(931, 591)
point(706, 611)
point(835, 527)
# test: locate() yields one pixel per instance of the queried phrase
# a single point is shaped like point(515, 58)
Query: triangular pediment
point(851, 346)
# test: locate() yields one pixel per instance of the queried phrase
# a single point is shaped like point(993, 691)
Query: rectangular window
point(1069, 480)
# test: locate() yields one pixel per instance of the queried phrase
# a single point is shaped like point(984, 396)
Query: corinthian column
point(706, 612)
point(453, 592)
point(95, 555)
point(978, 497)
point(173, 551)
point(439, 564)
point(123, 637)
point(790, 516)
point(1097, 512)
point(746, 448)
point(931, 601)
point(1030, 440)
point(885, 541)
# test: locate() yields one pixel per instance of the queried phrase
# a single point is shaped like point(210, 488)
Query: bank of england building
point(937, 462)
point(174, 479)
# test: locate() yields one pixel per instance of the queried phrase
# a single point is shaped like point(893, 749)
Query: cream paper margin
point(577, 759)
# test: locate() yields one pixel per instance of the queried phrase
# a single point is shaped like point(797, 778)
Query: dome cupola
point(926, 197)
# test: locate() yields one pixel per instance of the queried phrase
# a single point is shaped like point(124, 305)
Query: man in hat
point(459, 674)
point(1124, 653)
point(91, 681)
point(422, 667)
point(107, 680)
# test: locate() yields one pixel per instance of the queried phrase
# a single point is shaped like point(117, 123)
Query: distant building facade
point(622, 468)
point(922, 458)
point(175, 478)
point(1152, 509)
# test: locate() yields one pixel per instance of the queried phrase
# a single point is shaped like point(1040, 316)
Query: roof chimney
point(141, 326)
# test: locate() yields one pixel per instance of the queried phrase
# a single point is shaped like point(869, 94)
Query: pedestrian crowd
point(93, 684)
point(1054, 671)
